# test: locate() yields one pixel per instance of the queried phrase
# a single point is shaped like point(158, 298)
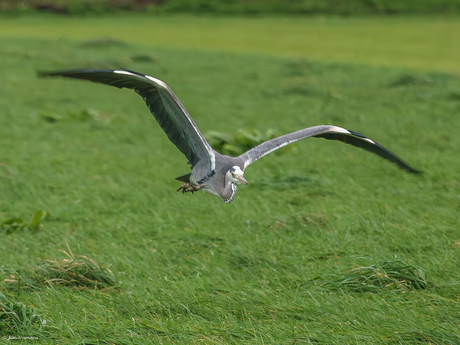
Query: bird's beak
point(241, 179)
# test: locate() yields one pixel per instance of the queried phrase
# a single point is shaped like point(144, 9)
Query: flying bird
point(211, 171)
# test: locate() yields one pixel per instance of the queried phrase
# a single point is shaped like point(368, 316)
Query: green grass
point(423, 43)
point(326, 245)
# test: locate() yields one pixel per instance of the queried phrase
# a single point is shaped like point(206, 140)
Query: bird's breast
point(209, 188)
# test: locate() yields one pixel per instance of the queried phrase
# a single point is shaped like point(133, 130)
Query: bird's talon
point(187, 187)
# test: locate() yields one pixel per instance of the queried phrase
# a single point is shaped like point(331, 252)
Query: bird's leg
point(188, 187)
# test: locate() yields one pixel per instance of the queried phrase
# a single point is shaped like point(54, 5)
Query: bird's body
point(213, 172)
point(215, 184)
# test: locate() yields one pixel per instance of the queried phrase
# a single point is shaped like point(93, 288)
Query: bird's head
point(235, 174)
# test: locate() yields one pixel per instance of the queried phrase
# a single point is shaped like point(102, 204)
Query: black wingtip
point(70, 72)
point(398, 161)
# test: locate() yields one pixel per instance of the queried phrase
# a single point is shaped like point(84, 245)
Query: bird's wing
point(327, 132)
point(162, 103)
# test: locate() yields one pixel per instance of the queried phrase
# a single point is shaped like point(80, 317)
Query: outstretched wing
point(162, 103)
point(327, 132)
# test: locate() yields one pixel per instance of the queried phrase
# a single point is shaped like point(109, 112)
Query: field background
point(326, 245)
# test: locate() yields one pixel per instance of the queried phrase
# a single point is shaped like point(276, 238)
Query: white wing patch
point(213, 160)
point(157, 81)
point(123, 72)
point(340, 130)
point(370, 140)
point(345, 131)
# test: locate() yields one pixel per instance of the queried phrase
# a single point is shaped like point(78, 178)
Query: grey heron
point(211, 171)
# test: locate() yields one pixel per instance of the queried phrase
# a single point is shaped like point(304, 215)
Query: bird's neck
point(229, 192)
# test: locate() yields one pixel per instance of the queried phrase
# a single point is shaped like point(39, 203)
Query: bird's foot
point(187, 187)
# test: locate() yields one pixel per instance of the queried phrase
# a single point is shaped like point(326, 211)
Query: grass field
point(411, 42)
point(326, 245)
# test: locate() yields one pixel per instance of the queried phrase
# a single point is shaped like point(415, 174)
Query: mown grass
point(327, 244)
point(423, 43)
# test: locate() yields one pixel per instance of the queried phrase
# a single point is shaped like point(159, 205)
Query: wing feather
point(326, 132)
point(162, 103)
